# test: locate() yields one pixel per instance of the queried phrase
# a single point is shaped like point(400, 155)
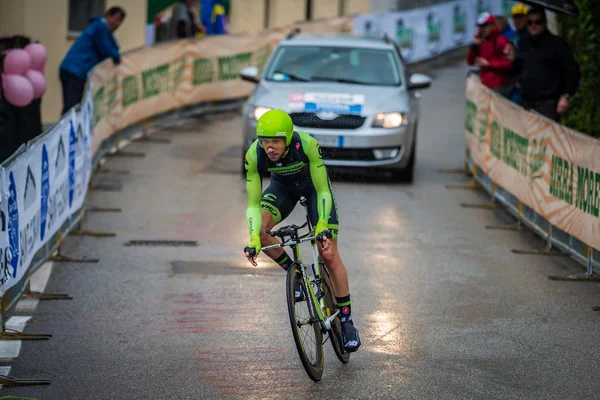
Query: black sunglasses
point(535, 21)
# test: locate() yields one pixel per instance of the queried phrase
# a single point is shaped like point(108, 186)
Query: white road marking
point(4, 370)
point(16, 323)
point(39, 280)
point(10, 349)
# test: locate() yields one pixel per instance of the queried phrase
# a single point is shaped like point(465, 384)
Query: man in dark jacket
point(548, 73)
point(95, 44)
point(488, 52)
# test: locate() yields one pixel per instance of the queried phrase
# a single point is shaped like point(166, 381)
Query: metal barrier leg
point(473, 185)
point(489, 206)
point(547, 251)
point(10, 381)
point(105, 187)
point(517, 227)
point(587, 276)
point(28, 294)
point(102, 209)
point(81, 232)
point(101, 169)
point(463, 170)
point(147, 138)
point(120, 153)
point(60, 258)
point(15, 335)
point(493, 205)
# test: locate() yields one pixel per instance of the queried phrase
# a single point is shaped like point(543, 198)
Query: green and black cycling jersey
point(300, 172)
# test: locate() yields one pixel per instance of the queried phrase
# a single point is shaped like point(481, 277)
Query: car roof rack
point(293, 33)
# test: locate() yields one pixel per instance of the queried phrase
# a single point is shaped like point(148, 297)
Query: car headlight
point(390, 120)
point(257, 112)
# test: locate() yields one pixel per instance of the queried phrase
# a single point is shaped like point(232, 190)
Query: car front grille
point(343, 121)
point(349, 154)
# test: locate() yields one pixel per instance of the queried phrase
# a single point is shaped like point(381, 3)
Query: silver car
point(351, 93)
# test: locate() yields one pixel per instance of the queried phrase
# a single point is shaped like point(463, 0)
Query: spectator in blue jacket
point(214, 16)
point(95, 44)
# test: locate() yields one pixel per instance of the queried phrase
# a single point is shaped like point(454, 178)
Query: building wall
point(283, 12)
point(325, 8)
point(247, 16)
point(46, 21)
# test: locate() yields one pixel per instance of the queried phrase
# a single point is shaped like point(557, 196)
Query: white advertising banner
point(41, 189)
point(57, 154)
point(79, 131)
point(4, 248)
point(423, 33)
point(23, 181)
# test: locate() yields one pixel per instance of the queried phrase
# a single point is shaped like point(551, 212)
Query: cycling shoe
point(350, 337)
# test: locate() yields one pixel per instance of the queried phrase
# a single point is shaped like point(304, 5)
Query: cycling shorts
point(279, 200)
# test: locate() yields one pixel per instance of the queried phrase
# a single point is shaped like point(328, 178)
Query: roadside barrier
point(545, 174)
point(45, 183)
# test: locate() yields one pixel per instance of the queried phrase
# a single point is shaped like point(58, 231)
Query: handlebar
point(292, 232)
point(289, 230)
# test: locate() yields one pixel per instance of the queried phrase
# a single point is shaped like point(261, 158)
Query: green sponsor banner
point(178, 67)
point(536, 159)
point(525, 156)
point(155, 81)
point(112, 89)
point(470, 115)
point(99, 105)
point(460, 22)
point(229, 66)
point(433, 30)
point(561, 179)
point(404, 37)
point(203, 71)
point(515, 151)
point(496, 140)
point(588, 185)
point(131, 90)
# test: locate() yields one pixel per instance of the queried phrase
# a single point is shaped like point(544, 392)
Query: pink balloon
point(38, 81)
point(17, 62)
point(18, 91)
point(38, 54)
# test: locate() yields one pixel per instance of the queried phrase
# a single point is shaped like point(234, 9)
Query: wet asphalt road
point(445, 310)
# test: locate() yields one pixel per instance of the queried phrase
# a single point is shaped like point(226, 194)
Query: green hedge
point(583, 35)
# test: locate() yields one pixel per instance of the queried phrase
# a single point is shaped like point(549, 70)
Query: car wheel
point(407, 174)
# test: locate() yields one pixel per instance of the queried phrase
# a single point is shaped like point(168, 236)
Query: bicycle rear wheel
point(306, 326)
point(335, 334)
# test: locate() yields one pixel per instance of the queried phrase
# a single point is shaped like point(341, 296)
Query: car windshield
point(334, 64)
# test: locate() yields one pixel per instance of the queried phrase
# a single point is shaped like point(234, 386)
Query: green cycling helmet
point(275, 123)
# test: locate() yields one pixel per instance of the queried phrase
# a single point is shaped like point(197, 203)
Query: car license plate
point(328, 141)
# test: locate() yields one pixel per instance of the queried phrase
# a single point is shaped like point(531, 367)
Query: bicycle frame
point(315, 298)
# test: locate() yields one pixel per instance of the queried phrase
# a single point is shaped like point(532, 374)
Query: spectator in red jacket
point(489, 52)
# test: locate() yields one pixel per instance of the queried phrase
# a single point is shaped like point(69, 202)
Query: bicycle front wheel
point(305, 324)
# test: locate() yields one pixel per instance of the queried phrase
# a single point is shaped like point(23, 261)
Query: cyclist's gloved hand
point(253, 247)
point(322, 230)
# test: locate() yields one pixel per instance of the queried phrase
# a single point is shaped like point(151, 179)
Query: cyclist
point(296, 165)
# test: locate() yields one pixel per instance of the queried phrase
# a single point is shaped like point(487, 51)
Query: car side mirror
point(249, 74)
point(419, 81)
